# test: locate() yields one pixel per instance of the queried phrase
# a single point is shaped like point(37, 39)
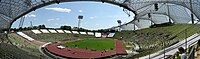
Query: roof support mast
point(21, 22)
point(168, 12)
point(192, 16)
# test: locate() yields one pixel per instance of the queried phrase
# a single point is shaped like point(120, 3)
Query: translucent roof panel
point(129, 27)
point(157, 18)
point(142, 23)
point(11, 10)
point(177, 13)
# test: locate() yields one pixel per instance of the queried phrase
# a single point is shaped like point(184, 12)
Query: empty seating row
point(25, 36)
point(96, 34)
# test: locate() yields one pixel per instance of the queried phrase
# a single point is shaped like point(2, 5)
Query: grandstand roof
point(177, 10)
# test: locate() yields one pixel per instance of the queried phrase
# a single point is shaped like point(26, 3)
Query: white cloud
point(56, 19)
point(30, 15)
point(80, 11)
point(118, 16)
point(65, 25)
point(93, 17)
point(50, 19)
point(59, 9)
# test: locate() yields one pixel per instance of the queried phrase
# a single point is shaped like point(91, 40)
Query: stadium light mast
point(150, 17)
point(120, 23)
point(31, 24)
point(134, 26)
point(79, 20)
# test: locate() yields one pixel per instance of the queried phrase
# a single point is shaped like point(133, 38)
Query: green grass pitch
point(92, 44)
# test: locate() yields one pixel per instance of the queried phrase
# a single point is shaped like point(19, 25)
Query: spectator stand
point(90, 33)
point(52, 31)
point(97, 34)
point(75, 32)
point(36, 31)
point(111, 35)
point(66, 31)
point(25, 36)
point(83, 33)
point(60, 31)
point(44, 31)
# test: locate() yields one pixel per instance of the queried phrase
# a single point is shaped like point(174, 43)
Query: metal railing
point(191, 53)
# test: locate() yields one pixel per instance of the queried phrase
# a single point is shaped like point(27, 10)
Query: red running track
point(120, 48)
point(83, 53)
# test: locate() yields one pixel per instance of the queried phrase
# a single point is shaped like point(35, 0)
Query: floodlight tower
point(31, 24)
point(119, 22)
point(79, 20)
point(149, 15)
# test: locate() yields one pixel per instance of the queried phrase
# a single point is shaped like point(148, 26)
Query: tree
point(34, 27)
point(41, 26)
point(24, 28)
point(82, 29)
point(65, 27)
point(75, 28)
point(20, 28)
point(29, 28)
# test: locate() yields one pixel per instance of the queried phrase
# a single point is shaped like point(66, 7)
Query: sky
point(96, 15)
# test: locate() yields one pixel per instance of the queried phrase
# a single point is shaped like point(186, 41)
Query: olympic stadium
point(158, 29)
